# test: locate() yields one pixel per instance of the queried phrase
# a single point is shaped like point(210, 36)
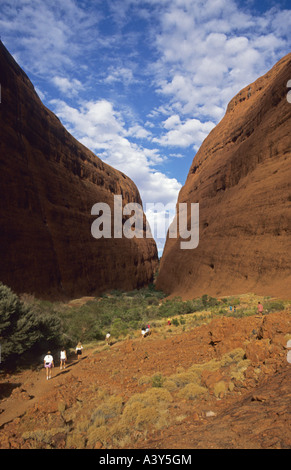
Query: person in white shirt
point(48, 364)
point(79, 349)
point(63, 358)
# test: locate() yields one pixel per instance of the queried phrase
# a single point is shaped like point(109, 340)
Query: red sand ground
point(255, 414)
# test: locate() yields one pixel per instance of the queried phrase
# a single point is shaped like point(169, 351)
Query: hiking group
point(145, 331)
point(49, 360)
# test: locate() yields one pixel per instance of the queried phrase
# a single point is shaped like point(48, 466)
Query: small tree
point(21, 329)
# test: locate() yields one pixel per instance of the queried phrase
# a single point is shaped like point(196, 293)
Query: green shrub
point(157, 380)
point(273, 306)
point(175, 322)
point(24, 330)
point(208, 301)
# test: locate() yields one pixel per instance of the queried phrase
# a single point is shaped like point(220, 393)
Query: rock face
point(241, 178)
point(49, 183)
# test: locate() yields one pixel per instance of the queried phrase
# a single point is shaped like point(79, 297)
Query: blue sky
point(142, 83)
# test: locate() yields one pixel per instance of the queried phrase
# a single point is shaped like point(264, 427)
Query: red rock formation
point(241, 177)
point(49, 183)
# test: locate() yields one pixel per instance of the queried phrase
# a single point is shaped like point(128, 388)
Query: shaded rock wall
point(49, 183)
point(241, 177)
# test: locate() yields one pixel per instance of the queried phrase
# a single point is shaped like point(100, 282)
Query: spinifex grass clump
point(116, 422)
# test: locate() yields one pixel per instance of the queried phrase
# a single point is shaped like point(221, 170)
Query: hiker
point(63, 358)
point(147, 331)
point(260, 308)
point(79, 350)
point(169, 322)
point(48, 364)
point(107, 338)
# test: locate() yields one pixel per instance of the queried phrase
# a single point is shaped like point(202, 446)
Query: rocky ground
point(224, 384)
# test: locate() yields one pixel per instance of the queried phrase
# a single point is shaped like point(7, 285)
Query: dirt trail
point(23, 390)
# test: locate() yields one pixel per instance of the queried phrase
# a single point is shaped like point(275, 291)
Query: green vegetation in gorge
point(28, 327)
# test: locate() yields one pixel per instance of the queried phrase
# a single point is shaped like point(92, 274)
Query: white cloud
point(138, 132)
point(51, 34)
point(172, 121)
point(211, 49)
point(67, 86)
point(192, 132)
point(176, 155)
point(279, 21)
point(101, 128)
point(96, 122)
point(119, 74)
